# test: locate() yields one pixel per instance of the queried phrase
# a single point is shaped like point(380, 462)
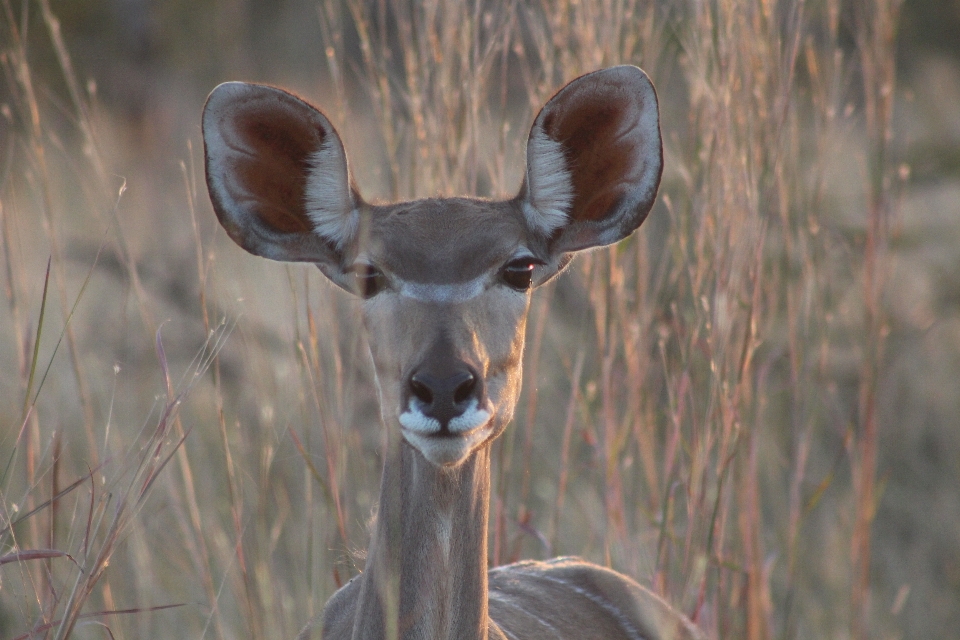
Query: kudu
point(445, 285)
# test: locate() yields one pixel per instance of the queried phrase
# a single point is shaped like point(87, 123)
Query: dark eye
point(368, 280)
point(519, 273)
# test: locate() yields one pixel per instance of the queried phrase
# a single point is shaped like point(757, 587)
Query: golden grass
point(701, 401)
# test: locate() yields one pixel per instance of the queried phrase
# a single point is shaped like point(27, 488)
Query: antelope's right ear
point(277, 175)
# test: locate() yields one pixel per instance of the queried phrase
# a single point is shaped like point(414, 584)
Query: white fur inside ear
point(329, 204)
point(549, 186)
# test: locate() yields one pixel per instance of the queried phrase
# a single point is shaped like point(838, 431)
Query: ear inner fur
point(261, 152)
point(550, 189)
point(607, 124)
point(328, 198)
point(261, 144)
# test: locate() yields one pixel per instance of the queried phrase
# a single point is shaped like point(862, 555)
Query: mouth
point(446, 445)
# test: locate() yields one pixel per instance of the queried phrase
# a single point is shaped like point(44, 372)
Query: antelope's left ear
point(594, 160)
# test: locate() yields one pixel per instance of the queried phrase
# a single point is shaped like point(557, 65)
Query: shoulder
point(336, 619)
point(583, 593)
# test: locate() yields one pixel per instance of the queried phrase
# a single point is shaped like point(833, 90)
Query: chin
point(448, 450)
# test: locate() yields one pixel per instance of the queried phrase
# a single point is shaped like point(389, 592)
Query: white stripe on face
point(448, 293)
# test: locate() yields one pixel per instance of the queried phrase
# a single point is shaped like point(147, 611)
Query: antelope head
point(445, 283)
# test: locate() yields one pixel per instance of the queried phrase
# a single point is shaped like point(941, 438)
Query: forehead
point(443, 239)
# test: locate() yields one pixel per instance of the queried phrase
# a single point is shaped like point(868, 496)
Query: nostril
point(421, 391)
point(464, 389)
point(443, 396)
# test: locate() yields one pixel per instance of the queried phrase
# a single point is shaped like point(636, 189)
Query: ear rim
point(241, 220)
point(626, 215)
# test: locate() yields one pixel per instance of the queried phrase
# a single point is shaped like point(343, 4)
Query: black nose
point(444, 395)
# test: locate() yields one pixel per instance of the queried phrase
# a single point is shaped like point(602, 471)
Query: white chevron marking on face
point(448, 293)
point(454, 292)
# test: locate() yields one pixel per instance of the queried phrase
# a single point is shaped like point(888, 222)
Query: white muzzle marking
point(466, 431)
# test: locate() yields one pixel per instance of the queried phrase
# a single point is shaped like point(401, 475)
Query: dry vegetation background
point(752, 404)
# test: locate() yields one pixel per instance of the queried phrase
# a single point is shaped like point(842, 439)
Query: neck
point(426, 570)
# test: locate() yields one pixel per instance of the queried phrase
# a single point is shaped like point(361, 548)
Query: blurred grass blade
point(98, 614)
point(36, 343)
point(35, 554)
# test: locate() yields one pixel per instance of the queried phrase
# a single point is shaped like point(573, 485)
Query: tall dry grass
point(700, 403)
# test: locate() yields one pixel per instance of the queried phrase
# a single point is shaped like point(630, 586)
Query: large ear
point(277, 175)
point(594, 160)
